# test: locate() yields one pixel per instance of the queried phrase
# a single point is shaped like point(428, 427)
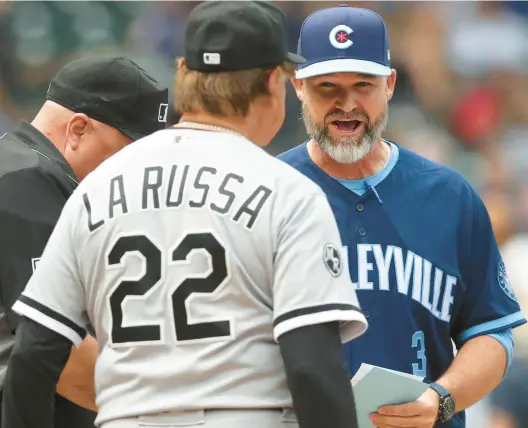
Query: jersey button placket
point(360, 208)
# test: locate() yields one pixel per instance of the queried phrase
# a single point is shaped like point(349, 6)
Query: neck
point(372, 163)
point(241, 125)
point(46, 121)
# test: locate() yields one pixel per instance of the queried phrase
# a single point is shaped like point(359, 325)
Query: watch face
point(448, 407)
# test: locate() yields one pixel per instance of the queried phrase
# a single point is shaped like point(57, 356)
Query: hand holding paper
point(375, 387)
point(421, 413)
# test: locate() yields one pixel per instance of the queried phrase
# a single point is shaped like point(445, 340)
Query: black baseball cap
point(113, 90)
point(237, 35)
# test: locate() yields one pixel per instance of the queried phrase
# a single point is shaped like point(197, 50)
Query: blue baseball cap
point(344, 39)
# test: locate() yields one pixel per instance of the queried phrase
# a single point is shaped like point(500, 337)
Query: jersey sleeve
point(54, 296)
point(489, 304)
point(312, 282)
point(30, 205)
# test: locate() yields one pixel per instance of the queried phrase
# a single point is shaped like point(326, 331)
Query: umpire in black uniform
point(94, 107)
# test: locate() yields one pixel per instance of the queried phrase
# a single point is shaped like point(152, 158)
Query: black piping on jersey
point(314, 310)
point(39, 143)
point(54, 315)
point(43, 155)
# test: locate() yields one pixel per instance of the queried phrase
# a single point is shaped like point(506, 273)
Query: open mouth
point(347, 126)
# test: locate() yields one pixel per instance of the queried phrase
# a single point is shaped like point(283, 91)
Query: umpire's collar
point(37, 141)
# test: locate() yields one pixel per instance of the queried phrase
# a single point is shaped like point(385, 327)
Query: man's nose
point(347, 102)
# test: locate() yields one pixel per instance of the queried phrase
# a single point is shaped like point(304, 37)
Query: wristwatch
point(447, 403)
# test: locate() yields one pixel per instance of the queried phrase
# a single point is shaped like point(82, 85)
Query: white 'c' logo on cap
point(339, 37)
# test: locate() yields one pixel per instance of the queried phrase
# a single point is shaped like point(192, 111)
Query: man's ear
point(180, 63)
point(391, 83)
point(298, 85)
point(77, 126)
point(276, 79)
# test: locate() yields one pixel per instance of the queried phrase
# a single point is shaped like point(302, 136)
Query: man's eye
point(363, 84)
point(327, 85)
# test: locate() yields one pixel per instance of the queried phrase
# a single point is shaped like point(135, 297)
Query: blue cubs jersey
point(424, 262)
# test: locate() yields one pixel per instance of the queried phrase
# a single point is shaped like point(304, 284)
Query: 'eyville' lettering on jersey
point(415, 277)
point(166, 188)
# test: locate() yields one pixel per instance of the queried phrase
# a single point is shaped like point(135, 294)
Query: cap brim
point(345, 65)
point(132, 134)
point(295, 59)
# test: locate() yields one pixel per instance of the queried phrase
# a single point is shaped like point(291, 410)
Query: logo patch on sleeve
point(332, 260)
point(504, 281)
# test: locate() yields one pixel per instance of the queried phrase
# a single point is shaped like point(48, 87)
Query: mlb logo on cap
point(344, 39)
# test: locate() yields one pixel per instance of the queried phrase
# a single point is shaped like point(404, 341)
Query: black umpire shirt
point(35, 183)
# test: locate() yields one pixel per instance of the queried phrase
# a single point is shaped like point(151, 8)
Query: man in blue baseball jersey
point(422, 253)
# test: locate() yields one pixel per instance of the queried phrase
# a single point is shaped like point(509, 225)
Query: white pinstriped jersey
point(191, 252)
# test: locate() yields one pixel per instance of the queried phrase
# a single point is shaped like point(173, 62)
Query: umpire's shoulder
point(22, 165)
point(26, 175)
point(17, 157)
point(30, 194)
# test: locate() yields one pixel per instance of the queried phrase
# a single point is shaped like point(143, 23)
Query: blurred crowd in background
point(461, 99)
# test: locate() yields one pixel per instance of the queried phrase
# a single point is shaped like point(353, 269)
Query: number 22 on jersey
point(152, 278)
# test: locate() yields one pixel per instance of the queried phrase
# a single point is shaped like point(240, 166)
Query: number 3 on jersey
point(418, 341)
point(152, 277)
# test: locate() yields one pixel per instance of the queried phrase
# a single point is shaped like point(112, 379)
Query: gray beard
point(346, 149)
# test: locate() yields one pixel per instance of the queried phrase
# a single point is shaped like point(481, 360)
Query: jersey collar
point(331, 181)
point(38, 142)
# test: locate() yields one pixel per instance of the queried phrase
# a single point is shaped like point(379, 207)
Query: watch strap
point(446, 407)
point(439, 389)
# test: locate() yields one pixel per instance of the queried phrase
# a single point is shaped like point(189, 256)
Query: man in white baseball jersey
point(193, 253)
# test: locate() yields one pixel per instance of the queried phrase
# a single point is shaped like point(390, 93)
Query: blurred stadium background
point(461, 100)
